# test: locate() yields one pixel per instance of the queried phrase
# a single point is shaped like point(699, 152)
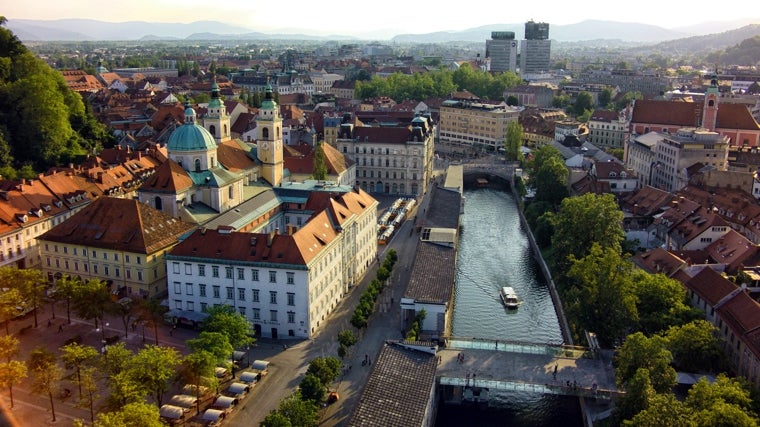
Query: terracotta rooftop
point(169, 177)
point(119, 224)
point(659, 260)
point(434, 273)
point(710, 285)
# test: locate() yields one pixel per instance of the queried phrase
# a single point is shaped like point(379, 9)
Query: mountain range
point(93, 30)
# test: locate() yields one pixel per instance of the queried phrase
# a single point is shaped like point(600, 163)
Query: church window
point(212, 130)
point(197, 165)
point(265, 133)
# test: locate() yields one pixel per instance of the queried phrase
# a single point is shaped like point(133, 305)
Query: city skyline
point(390, 18)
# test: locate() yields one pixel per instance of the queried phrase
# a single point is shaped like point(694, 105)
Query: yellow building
point(472, 126)
point(119, 241)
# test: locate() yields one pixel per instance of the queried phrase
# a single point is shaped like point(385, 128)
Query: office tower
point(535, 50)
point(502, 50)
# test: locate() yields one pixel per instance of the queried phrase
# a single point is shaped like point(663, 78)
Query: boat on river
point(509, 297)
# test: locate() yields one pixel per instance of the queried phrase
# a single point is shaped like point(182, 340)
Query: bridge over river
point(513, 366)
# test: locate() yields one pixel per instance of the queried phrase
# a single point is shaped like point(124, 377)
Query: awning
point(249, 377)
point(225, 402)
point(260, 365)
point(193, 391)
point(183, 400)
point(212, 415)
point(238, 388)
point(171, 412)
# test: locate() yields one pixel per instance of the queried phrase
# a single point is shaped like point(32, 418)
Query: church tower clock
point(269, 145)
point(710, 108)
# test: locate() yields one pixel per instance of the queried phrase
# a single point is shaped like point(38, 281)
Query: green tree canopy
point(550, 181)
point(300, 412)
point(312, 388)
point(661, 302)
point(136, 414)
point(513, 142)
point(320, 167)
point(229, 322)
point(694, 346)
point(325, 368)
point(582, 221)
point(215, 343)
point(638, 351)
point(153, 367)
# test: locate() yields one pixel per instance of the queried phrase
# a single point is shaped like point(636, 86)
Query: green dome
point(190, 137)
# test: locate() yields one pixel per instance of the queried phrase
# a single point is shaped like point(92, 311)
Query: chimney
point(270, 237)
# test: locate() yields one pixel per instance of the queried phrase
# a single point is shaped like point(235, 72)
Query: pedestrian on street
point(60, 328)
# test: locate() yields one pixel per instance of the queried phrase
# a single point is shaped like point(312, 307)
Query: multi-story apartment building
point(501, 49)
point(535, 49)
point(640, 156)
point(323, 81)
point(473, 125)
point(649, 84)
point(673, 153)
point(391, 160)
point(607, 129)
point(286, 284)
point(119, 241)
point(540, 96)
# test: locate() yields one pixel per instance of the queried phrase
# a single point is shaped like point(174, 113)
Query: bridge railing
point(550, 349)
point(548, 388)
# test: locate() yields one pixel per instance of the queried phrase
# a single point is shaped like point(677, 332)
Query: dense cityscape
point(278, 232)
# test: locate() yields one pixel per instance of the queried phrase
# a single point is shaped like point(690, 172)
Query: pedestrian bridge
point(468, 365)
point(503, 170)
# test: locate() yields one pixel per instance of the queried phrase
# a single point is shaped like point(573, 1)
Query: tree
point(10, 299)
point(31, 284)
point(12, 372)
point(116, 362)
point(582, 221)
point(694, 346)
point(230, 323)
point(194, 367)
point(661, 302)
point(638, 351)
point(325, 368)
point(604, 98)
point(512, 100)
point(215, 343)
point(276, 419)
point(584, 101)
point(347, 338)
point(320, 167)
point(154, 367)
point(136, 414)
point(663, 410)
point(550, 181)
point(704, 396)
point(638, 393)
point(312, 388)
point(152, 312)
point(46, 374)
point(513, 142)
point(86, 380)
point(300, 412)
point(65, 290)
point(124, 309)
point(78, 357)
point(91, 299)
point(8, 347)
point(601, 294)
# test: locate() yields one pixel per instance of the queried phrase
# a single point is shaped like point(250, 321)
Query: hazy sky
point(371, 18)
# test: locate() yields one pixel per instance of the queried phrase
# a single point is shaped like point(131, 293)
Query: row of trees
point(367, 300)
point(438, 83)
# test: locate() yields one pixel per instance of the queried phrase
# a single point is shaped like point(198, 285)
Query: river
point(494, 252)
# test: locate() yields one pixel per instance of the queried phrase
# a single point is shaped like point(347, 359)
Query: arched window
point(278, 132)
point(197, 165)
point(265, 133)
point(159, 203)
point(711, 103)
point(212, 130)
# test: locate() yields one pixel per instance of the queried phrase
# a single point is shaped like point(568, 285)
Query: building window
point(94, 268)
point(117, 270)
point(241, 310)
point(188, 268)
point(204, 306)
point(230, 293)
point(190, 306)
point(256, 314)
point(215, 271)
point(139, 260)
point(272, 315)
point(255, 295)
point(291, 317)
point(177, 288)
point(106, 270)
point(216, 289)
point(272, 277)
point(202, 270)
point(202, 289)
point(273, 297)
point(178, 304)
point(255, 275)
point(241, 294)
point(228, 272)
point(240, 274)
point(291, 298)
point(115, 257)
point(188, 288)
point(175, 267)
point(291, 277)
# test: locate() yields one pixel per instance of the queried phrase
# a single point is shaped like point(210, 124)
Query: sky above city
point(378, 18)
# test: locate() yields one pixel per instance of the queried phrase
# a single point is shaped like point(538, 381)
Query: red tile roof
point(119, 224)
point(710, 285)
point(170, 177)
